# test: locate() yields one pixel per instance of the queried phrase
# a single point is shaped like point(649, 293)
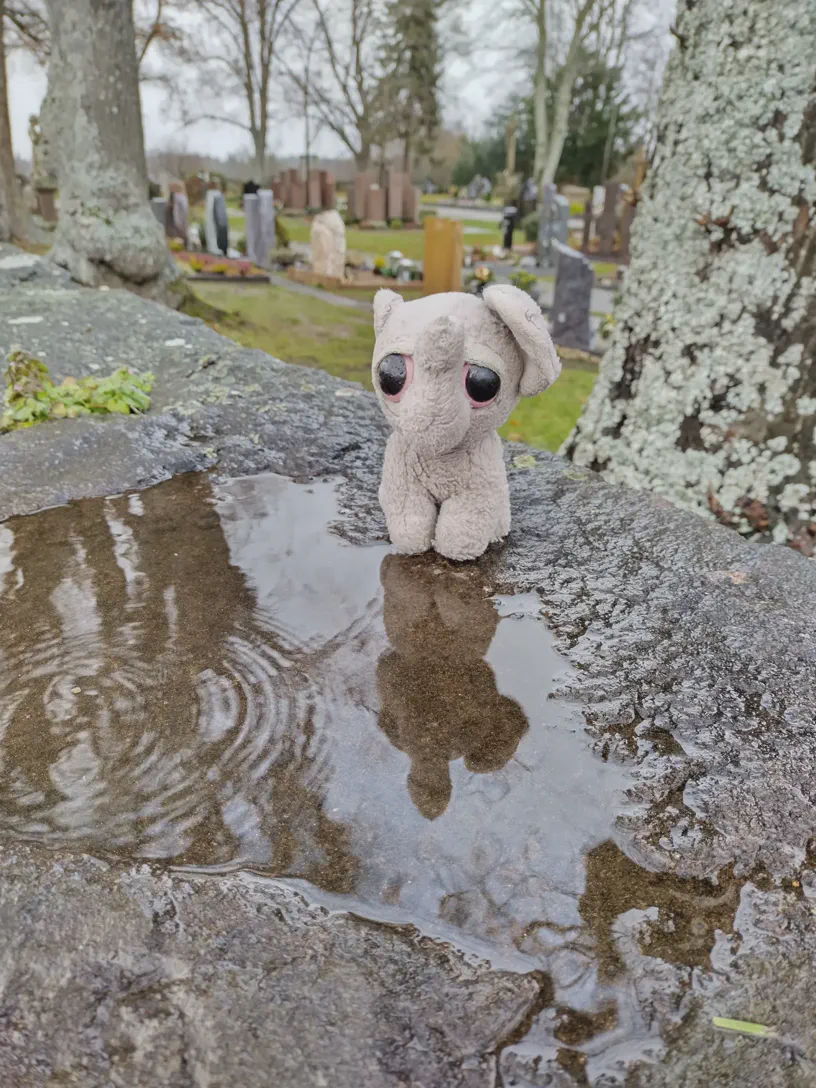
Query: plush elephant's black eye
point(482, 384)
point(392, 373)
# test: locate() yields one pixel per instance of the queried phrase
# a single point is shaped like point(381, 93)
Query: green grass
point(295, 328)
point(411, 243)
point(305, 330)
point(546, 420)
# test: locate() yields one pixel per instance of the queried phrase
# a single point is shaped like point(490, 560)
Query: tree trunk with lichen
point(707, 393)
point(12, 213)
point(107, 233)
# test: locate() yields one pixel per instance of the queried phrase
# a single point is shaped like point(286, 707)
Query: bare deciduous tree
point(350, 89)
point(236, 49)
point(568, 25)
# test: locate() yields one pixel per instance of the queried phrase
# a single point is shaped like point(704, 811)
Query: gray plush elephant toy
point(448, 370)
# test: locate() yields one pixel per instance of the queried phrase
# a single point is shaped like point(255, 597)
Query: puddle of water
point(208, 676)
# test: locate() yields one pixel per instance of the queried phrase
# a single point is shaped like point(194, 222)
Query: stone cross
point(574, 279)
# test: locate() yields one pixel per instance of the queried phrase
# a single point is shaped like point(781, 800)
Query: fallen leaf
point(744, 1027)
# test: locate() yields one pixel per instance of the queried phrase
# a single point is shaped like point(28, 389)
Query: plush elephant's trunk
point(435, 415)
point(441, 347)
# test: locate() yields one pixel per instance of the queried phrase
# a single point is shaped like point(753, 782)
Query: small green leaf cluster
point(32, 397)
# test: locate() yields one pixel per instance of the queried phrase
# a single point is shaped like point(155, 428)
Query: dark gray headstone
point(574, 279)
point(158, 206)
point(221, 223)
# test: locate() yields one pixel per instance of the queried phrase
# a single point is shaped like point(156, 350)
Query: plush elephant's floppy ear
point(384, 303)
point(525, 321)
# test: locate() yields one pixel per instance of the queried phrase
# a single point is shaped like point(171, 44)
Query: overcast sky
point(473, 86)
point(162, 131)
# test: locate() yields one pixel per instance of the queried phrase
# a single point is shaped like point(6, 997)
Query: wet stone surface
point(205, 675)
point(266, 832)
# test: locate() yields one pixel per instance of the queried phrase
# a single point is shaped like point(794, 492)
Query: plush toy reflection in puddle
point(438, 696)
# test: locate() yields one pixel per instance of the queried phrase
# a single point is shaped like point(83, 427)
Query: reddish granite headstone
point(608, 220)
point(328, 190)
point(357, 201)
point(397, 182)
point(314, 194)
point(297, 196)
point(375, 204)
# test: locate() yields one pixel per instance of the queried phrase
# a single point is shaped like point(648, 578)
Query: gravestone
point(608, 221)
point(252, 227)
point(314, 198)
point(574, 279)
point(266, 218)
point(250, 187)
point(410, 204)
point(544, 248)
point(444, 252)
point(328, 190)
point(396, 184)
point(158, 205)
point(297, 194)
point(329, 245)
point(180, 209)
point(375, 204)
point(357, 197)
point(216, 224)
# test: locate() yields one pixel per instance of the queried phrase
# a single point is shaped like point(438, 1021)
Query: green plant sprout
point(32, 397)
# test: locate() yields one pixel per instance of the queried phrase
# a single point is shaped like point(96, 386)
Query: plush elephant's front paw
point(412, 534)
point(462, 531)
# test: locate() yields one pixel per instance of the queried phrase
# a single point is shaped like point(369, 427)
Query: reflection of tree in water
point(438, 696)
point(194, 735)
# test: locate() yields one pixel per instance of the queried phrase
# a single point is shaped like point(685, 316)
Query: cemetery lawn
point(410, 243)
point(339, 340)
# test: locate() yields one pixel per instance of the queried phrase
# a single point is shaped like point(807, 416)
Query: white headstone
point(329, 245)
